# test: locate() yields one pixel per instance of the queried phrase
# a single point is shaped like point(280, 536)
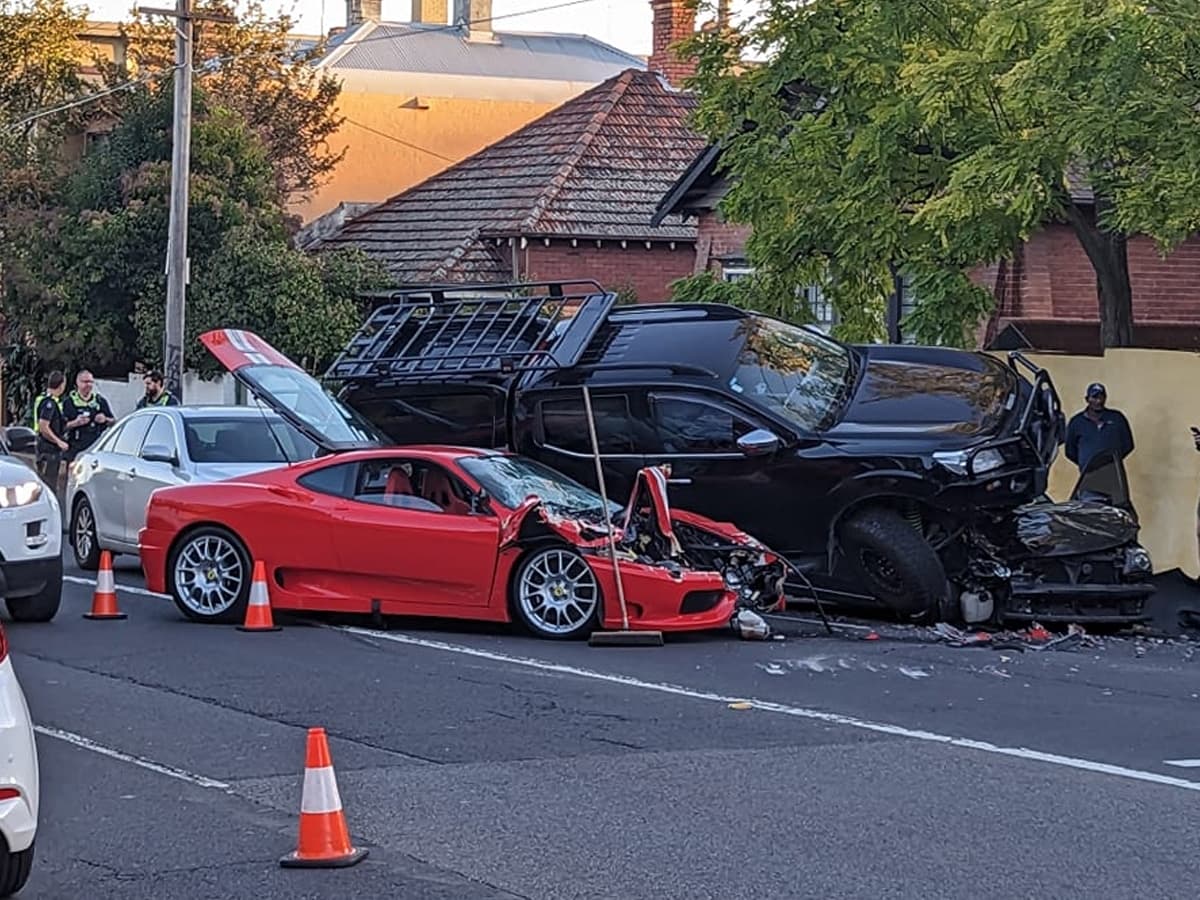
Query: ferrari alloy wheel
point(555, 594)
point(210, 576)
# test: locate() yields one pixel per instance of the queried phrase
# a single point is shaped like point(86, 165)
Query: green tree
point(934, 136)
point(40, 56)
point(91, 286)
point(260, 72)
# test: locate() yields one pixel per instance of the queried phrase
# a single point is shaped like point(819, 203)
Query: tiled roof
point(594, 167)
point(439, 50)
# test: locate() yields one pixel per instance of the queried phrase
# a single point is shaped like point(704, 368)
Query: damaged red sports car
point(436, 531)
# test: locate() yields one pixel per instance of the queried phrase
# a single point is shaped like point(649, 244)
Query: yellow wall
point(377, 167)
point(1157, 391)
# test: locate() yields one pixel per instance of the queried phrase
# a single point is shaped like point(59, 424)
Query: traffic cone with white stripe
point(258, 613)
point(104, 598)
point(324, 838)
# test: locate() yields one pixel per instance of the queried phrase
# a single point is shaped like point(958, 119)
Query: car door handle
point(679, 481)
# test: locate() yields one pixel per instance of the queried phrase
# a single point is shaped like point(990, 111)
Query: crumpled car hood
point(1076, 526)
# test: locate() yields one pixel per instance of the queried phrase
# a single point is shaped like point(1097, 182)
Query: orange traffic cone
point(258, 613)
point(104, 598)
point(324, 838)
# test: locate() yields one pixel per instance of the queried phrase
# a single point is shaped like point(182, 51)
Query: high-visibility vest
point(37, 404)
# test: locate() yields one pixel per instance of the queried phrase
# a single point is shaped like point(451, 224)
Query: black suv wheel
point(893, 561)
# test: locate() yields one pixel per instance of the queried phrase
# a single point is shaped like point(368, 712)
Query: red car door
point(405, 550)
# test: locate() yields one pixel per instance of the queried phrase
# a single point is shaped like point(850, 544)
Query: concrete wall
point(124, 395)
point(1155, 390)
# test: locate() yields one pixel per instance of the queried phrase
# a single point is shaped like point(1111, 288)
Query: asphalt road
point(477, 763)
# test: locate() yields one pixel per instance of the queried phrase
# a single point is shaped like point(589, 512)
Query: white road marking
point(127, 588)
point(1183, 763)
point(1024, 753)
point(161, 768)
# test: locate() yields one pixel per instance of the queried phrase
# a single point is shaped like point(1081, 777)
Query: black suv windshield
point(511, 479)
point(795, 372)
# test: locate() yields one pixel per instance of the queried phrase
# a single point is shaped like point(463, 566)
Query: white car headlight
point(956, 460)
point(22, 494)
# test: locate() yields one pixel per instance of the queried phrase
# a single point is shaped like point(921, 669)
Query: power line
point(401, 141)
point(208, 64)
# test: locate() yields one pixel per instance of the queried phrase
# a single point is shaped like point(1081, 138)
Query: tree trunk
point(1108, 253)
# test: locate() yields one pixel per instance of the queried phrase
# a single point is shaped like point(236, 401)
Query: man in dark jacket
point(50, 424)
point(1096, 428)
point(156, 393)
point(87, 413)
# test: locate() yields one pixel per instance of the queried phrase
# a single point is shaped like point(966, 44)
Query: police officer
point(50, 424)
point(156, 394)
point(87, 414)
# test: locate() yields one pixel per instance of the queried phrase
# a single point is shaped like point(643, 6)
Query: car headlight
point(22, 494)
point(956, 460)
point(1137, 561)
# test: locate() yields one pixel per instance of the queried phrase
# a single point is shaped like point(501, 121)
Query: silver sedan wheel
point(208, 575)
point(557, 592)
point(83, 531)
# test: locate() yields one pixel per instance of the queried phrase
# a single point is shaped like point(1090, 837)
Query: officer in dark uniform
point(51, 426)
point(87, 413)
point(156, 393)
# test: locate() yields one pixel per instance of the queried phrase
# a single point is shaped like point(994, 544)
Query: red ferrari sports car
point(364, 527)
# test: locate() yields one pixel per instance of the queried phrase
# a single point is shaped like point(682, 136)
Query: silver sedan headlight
point(956, 460)
point(22, 494)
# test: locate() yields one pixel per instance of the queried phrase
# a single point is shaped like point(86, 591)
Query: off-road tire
point(920, 586)
point(14, 869)
point(42, 606)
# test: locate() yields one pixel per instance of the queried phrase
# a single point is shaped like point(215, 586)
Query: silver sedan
point(109, 486)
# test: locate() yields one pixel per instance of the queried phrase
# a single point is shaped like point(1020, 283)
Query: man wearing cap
point(1096, 429)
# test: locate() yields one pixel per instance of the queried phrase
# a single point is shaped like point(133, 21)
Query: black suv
point(881, 472)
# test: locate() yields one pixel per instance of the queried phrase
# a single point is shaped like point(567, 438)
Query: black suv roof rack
point(475, 330)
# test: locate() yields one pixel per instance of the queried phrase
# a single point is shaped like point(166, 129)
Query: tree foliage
point(933, 136)
point(256, 70)
point(91, 286)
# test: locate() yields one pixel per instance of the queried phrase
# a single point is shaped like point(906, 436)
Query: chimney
point(359, 11)
point(429, 12)
point(475, 18)
point(674, 21)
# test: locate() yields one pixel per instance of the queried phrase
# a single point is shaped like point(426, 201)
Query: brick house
point(568, 196)
point(1045, 294)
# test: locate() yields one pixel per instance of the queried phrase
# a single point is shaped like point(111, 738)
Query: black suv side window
point(475, 418)
point(565, 426)
point(691, 425)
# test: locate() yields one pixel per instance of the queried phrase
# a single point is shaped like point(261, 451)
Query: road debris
point(750, 626)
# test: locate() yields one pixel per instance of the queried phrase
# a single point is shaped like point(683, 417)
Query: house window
point(908, 302)
point(94, 140)
point(820, 306)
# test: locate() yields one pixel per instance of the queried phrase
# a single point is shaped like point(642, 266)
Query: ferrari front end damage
point(648, 533)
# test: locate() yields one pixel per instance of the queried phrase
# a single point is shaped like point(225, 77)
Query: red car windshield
point(511, 479)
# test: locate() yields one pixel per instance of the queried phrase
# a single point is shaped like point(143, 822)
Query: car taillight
point(3, 645)
point(9, 793)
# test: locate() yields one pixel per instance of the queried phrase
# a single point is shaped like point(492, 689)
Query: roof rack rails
point(475, 330)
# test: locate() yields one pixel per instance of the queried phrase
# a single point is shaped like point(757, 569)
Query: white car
point(109, 485)
point(19, 778)
point(31, 568)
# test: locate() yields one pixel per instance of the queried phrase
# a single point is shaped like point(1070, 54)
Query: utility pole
point(177, 251)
